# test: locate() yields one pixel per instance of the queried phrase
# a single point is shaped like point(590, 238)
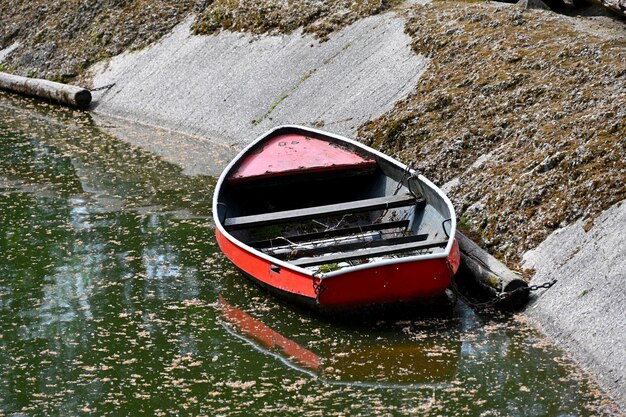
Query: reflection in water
point(397, 366)
point(256, 329)
point(109, 283)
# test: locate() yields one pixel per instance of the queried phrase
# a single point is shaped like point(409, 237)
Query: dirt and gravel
point(524, 108)
point(270, 17)
point(71, 35)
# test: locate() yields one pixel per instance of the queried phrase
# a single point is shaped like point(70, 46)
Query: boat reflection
point(361, 360)
point(269, 338)
point(406, 363)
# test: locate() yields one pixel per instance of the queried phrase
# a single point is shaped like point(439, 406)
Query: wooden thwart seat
point(368, 253)
point(267, 219)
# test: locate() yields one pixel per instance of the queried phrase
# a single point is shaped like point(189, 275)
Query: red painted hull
point(397, 282)
point(329, 222)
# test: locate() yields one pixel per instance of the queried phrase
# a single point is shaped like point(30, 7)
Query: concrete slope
point(585, 311)
point(232, 87)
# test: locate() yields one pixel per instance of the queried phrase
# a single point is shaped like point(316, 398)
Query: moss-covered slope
point(60, 40)
point(525, 109)
point(268, 16)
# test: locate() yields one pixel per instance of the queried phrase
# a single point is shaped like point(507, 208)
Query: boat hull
point(392, 283)
point(328, 222)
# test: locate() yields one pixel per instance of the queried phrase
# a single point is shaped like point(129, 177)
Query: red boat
point(327, 221)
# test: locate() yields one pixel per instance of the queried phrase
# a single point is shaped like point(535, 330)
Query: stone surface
point(533, 4)
point(586, 310)
point(232, 87)
point(195, 155)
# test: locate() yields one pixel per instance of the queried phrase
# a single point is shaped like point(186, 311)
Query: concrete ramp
point(585, 310)
point(232, 87)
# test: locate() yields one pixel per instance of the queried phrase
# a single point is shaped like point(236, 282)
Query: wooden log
point(60, 93)
point(618, 6)
point(490, 275)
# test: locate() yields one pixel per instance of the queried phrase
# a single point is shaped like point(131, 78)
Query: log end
point(520, 293)
point(82, 99)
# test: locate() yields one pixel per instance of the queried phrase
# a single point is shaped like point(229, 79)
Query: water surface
point(115, 300)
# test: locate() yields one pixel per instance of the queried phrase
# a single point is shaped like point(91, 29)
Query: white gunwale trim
point(345, 270)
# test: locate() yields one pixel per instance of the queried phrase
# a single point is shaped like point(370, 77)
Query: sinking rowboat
point(327, 221)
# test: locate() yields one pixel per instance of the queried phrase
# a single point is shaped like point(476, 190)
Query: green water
point(115, 300)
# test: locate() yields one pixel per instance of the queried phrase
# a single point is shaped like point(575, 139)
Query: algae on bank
point(542, 100)
point(61, 40)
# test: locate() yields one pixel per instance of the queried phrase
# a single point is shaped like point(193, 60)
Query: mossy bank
point(524, 111)
point(72, 35)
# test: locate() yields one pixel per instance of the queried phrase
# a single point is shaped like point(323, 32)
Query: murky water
point(115, 300)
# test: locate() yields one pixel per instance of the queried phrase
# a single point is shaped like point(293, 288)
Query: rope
point(405, 176)
point(443, 226)
point(318, 289)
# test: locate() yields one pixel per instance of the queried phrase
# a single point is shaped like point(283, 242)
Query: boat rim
point(345, 270)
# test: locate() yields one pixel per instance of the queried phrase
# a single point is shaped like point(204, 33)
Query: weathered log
point(60, 93)
point(618, 6)
point(490, 275)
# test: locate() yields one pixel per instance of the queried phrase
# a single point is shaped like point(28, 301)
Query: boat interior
point(332, 219)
